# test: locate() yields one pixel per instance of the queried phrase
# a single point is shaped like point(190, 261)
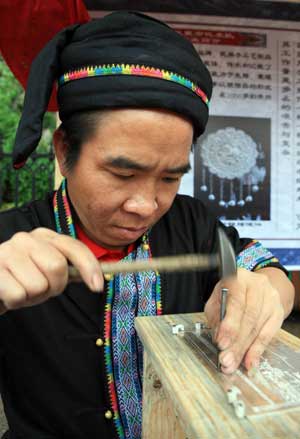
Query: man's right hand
point(34, 267)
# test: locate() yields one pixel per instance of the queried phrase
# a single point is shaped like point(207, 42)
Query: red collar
point(101, 252)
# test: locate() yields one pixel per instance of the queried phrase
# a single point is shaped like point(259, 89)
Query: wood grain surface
point(182, 393)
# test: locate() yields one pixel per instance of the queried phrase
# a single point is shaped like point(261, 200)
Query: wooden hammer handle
point(162, 264)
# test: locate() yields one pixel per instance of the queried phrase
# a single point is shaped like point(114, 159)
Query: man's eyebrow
point(126, 163)
point(179, 169)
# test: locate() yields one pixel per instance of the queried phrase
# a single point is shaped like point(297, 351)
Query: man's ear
point(60, 147)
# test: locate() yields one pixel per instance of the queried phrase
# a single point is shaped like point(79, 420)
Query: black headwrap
point(125, 59)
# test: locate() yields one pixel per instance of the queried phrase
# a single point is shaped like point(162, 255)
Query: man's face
point(128, 173)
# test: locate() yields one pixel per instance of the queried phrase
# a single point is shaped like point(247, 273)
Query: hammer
point(224, 260)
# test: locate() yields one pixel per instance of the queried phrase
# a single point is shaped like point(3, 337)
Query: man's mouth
point(136, 229)
point(130, 233)
point(141, 229)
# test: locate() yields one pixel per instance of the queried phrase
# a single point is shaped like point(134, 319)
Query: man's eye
point(171, 179)
point(123, 176)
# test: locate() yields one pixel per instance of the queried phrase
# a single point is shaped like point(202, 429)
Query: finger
point(12, 294)
point(27, 274)
point(26, 267)
point(263, 339)
point(252, 322)
point(212, 312)
point(212, 308)
point(235, 307)
point(52, 264)
point(254, 319)
point(78, 255)
point(225, 332)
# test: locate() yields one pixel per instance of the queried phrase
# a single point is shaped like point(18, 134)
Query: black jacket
point(52, 373)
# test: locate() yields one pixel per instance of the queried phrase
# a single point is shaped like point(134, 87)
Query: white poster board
point(246, 165)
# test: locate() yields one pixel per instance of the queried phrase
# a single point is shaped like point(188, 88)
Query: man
point(132, 96)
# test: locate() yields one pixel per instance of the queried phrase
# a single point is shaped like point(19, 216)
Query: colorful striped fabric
point(135, 70)
point(255, 256)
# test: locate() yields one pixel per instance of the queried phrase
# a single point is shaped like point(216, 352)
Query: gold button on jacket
point(108, 414)
point(99, 342)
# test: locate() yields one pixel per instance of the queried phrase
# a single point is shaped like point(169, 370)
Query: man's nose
point(141, 205)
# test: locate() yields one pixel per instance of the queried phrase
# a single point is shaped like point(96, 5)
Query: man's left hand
point(254, 314)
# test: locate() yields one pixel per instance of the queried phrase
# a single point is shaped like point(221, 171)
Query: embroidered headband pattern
point(135, 70)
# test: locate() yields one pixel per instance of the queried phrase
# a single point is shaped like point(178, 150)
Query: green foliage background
point(11, 102)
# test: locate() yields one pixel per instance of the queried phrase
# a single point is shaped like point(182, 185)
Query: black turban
point(125, 59)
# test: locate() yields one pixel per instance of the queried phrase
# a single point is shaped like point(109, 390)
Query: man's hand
point(34, 267)
point(254, 314)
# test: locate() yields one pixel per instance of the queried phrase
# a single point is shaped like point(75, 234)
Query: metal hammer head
point(227, 255)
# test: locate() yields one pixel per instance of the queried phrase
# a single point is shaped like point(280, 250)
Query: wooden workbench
point(182, 396)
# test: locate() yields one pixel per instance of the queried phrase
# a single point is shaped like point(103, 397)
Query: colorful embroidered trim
point(128, 295)
point(158, 295)
point(158, 281)
point(255, 256)
point(63, 215)
point(133, 296)
point(135, 70)
point(69, 218)
point(108, 359)
point(56, 214)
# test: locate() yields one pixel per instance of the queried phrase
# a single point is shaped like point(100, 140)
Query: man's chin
point(124, 236)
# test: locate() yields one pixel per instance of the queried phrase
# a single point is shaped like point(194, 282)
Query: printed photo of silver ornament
point(231, 168)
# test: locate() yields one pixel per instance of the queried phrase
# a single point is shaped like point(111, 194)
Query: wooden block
point(185, 396)
point(156, 402)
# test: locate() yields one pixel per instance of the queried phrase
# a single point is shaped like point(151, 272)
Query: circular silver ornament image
point(229, 153)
